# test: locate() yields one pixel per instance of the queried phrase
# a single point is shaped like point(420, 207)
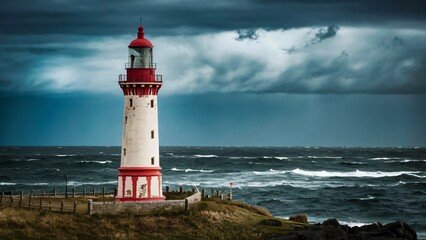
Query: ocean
point(355, 185)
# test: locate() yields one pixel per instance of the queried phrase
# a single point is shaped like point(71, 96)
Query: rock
point(302, 218)
point(331, 229)
point(331, 222)
point(399, 229)
point(271, 222)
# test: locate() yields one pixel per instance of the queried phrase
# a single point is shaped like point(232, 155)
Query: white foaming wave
point(75, 183)
point(191, 170)
point(205, 156)
point(415, 175)
point(37, 184)
point(369, 197)
point(270, 172)
point(101, 162)
point(32, 159)
point(386, 158)
point(405, 161)
point(356, 173)
point(275, 157)
point(354, 224)
point(7, 184)
point(65, 155)
point(316, 157)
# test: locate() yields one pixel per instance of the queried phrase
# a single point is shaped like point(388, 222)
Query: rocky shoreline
point(332, 229)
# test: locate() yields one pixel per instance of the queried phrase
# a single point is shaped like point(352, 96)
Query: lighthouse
point(139, 177)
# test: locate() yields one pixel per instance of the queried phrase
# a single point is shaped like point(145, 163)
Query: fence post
point(94, 194)
point(29, 201)
point(62, 205)
point(84, 192)
point(186, 204)
point(32, 192)
point(167, 189)
point(21, 198)
point(75, 206)
point(41, 203)
point(115, 191)
point(181, 190)
point(193, 190)
point(73, 192)
point(11, 202)
point(89, 206)
point(50, 205)
point(202, 192)
point(54, 192)
point(1, 199)
point(103, 192)
point(44, 193)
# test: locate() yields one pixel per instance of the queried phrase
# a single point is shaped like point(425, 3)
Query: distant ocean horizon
point(356, 185)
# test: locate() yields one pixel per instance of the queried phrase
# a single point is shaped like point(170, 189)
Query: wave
point(28, 184)
point(405, 161)
point(205, 156)
point(270, 172)
point(76, 183)
point(356, 173)
point(353, 224)
point(191, 170)
point(275, 157)
point(7, 184)
point(65, 155)
point(323, 157)
point(101, 162)
point(369, 197)
point(353, 163)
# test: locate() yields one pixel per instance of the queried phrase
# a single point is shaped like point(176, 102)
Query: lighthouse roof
point(141, 41)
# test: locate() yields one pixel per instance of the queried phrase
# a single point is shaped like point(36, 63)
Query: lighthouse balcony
point(141, 78)
point(141, 65)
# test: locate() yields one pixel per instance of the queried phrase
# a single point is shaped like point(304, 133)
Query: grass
point(208, 219)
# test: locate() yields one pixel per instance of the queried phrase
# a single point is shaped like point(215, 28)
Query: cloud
point(249, 34)
point(357, 60)
point(324, 33)
point(104, 18)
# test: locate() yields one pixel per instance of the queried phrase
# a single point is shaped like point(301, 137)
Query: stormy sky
point(238, 73)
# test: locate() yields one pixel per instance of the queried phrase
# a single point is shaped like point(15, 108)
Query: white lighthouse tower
point(139, 177)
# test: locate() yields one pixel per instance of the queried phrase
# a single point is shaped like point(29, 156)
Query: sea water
point(355, 185)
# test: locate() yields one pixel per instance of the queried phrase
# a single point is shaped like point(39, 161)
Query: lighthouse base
point(139, 184)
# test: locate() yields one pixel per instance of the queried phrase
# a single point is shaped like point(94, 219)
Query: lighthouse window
point(152, 134)
point(124, 151)
point(125, 120)
point(152, 161)
point(152, 103)
point(131, 102)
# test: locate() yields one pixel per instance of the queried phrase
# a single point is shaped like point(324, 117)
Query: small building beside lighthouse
point(139, 177)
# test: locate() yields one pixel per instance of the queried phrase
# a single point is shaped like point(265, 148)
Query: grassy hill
point(208, 219)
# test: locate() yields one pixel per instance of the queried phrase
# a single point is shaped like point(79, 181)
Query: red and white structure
point(139, 177)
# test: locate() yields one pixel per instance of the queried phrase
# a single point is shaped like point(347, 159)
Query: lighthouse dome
point(141, 42)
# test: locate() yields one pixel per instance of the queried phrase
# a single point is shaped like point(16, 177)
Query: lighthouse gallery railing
point(123, 78)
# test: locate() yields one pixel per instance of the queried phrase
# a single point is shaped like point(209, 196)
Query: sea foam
point(356, 173)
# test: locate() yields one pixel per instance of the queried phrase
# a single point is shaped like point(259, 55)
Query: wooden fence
point(82, 201)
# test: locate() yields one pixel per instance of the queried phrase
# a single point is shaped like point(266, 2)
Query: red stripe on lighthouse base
point(136, 173)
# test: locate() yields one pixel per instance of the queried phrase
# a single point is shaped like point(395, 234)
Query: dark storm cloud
point(109, 17)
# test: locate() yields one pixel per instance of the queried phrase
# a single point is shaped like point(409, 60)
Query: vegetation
point(208, 219)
